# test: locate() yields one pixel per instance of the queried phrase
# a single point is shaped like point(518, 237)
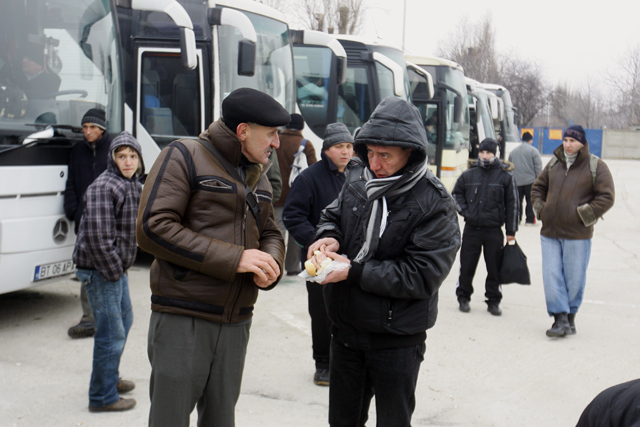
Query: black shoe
point(560, 327)
point(464, 306)
point(125, 386)
point(494, 309)
point(572, 323)
point(82, 330)
point(321, 377)
point(120, 405)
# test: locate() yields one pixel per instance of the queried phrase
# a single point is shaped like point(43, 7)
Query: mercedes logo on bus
point(60, 231)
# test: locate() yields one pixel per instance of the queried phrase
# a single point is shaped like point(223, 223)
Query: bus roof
point(250, 6)
point(366, 41)
point(433, 60)
point(491, 86)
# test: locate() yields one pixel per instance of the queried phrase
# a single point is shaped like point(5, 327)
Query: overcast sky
point(570, 39)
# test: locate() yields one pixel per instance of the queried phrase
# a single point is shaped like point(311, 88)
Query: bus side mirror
point(458, 111)
point(188, 48)
point(341, 70)
point(246, 57)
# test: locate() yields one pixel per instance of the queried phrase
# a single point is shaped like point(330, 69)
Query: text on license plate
point(54, 269)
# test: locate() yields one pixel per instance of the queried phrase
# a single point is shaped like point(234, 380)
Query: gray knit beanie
point(336, 133)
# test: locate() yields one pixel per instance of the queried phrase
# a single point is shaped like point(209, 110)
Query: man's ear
point(242, 130)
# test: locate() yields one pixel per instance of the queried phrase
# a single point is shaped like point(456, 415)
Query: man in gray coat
point(528, 165)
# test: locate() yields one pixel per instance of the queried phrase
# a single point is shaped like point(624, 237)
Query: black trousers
point(489, 240)
point(524, 192)
point(320, 326)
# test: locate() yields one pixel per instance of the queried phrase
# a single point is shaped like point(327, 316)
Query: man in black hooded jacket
point(487, 198)
point(397, 226)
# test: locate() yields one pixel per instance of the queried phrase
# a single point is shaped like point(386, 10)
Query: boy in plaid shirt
point(105, 249)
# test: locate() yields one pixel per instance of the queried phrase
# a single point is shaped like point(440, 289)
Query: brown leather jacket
point(290, 141)
point(193, 218)
point(567, 201)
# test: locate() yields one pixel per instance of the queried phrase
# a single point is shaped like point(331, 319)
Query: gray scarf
point(377, 191)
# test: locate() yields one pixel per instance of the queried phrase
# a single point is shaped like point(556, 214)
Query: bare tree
point(625, 85)
point(525, 82)
point(341, 16)
point(472, 45)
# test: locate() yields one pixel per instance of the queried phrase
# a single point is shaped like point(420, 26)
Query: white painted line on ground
point(290, 319)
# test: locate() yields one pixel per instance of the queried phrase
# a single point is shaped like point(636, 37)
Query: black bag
point(514, 265)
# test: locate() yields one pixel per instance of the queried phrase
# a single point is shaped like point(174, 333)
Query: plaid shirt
point(107, 235)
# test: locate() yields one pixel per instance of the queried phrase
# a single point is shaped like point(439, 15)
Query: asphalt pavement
point(479, 370)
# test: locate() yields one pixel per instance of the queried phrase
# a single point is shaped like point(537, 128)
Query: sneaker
point(125, 386)
point(464, 306)
point(321, 377)
point(82, 330)
point(494, 309)
point(120, 405)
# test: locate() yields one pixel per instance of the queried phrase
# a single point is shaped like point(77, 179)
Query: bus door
point(170, 99)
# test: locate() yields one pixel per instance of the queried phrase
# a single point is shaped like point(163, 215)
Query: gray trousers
point(195, 362)
point(87, 316)
point(292, 258)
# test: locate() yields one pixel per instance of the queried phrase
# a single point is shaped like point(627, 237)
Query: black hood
point(394, 122)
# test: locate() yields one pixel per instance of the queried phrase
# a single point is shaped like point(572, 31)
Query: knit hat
point(247, 105)
point(526, 137)
point(296, 123)
point(336, 133)
point(576, 132)
point(95, 116)
point(489, 145)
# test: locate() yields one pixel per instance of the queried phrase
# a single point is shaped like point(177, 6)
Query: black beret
point(246, 105)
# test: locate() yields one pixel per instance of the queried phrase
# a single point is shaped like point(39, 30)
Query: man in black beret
point(207, 217)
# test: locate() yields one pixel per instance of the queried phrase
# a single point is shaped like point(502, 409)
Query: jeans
point(564, 273)
point(355, 374)
point(111, 307)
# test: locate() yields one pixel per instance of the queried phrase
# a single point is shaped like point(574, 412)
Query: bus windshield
point(484, 110)
point(58, 59)
point(511, 129)
point(313, 80)
point(274, 60)
point(457, 133)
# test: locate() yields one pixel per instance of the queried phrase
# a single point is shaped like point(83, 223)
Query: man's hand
point(261, 264)
point(331, 245)
point(337, 276)
point(510, 238)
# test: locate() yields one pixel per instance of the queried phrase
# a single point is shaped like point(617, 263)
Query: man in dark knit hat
point(487, 198)
point(87, 161)
point(312, 191)
point(206, 216)
point(572, 192)
point(397, 225)
point(527, 165)
point(291, 140)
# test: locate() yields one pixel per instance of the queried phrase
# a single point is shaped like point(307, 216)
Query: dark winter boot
point(560, 327)
point(572, 323)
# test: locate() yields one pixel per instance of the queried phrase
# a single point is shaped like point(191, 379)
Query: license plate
point(55, 269)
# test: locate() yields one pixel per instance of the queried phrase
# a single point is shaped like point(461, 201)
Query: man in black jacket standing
point(397, 225)
point(487, 198)
point(312, 191)
point(87, 161)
